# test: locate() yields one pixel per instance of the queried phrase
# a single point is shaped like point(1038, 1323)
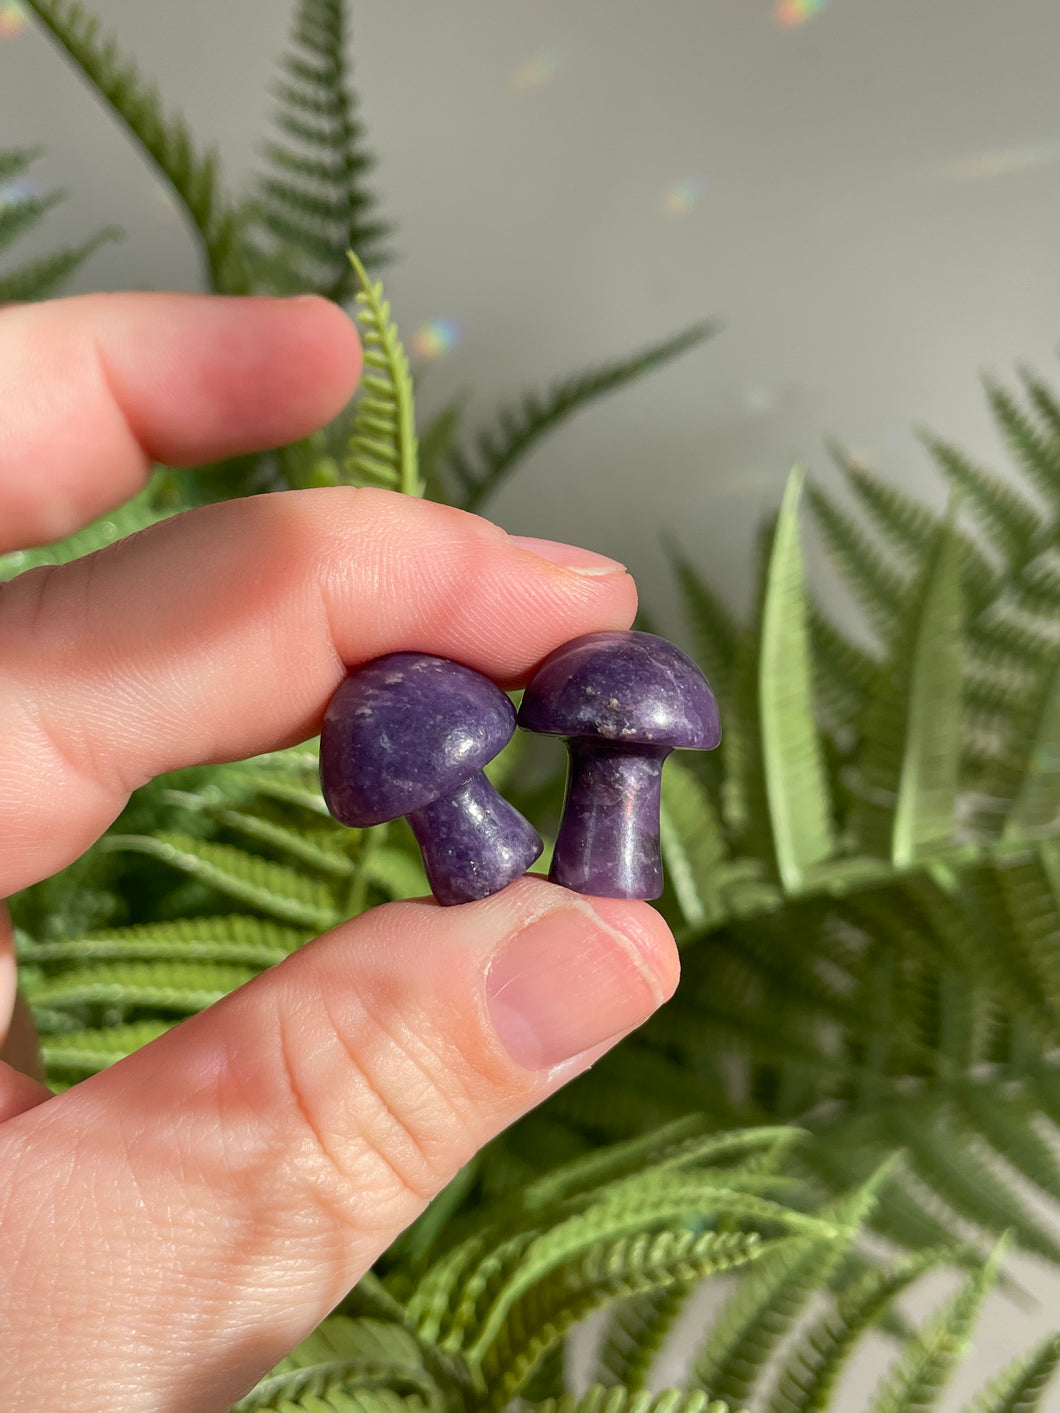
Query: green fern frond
point(881, 589)
point(601, 1399)
point(167, 140)
point(272, 888)
point(764, 1307)
point(383, 448)
point(906, 765)
point(340, 1355)
point(693, 845)
point(714, 629)
point(315, 202)
point(320, 849)
point(1019, 1388)
point(526, 1329)
point(921, 1375)
point(475, 476)
point(686, 1141)
point(844, 672)
point(184, 987)
point(1006, 1120)
point(84, 1052)
point(44, 277)
point(931, 760)
point(796, 782)
point(235, 940)
point(1036, 455)
point(809, 1376)
point(635, 1333)
point(905, 523)
point(1010, 522)
point(17, 217)
point(436, 443)
point(949, 1165)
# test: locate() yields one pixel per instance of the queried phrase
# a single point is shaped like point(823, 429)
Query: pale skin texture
point(172, 1227)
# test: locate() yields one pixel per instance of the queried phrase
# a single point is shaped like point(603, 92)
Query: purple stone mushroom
point(408, 734)
point(624, 701)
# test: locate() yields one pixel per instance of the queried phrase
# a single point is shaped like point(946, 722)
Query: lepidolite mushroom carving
point(624, 701)
point(408, 734)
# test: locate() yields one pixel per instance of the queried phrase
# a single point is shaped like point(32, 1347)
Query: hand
point(173, 1226)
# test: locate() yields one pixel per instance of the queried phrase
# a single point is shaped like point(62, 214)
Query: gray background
point(876, 222)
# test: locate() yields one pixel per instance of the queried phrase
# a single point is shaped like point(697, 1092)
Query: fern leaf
point(683, 1142)
point(436, 443)
point(85, 1052)
point(927, 788)
point(1006, 1121)
point(1030, 775)
point(383, 448)
point(808, 1379)
point(601, 1399)
point(520, 428)
point(915, 1385)
point(289, 786)
point(166, 140)
point(693, 845)
point(948, 1164)
point(1019, 1388)
point(796, 783)
point(763, 1308)
point(1009, 520)
point(44, 277)
point(272, 888)
point(186, 987)
point(714, 628)
point(338, 1356)
point(908, 525)
point(635, 1334)
point(237, 940)
point(316, 201)
point(879, 587)
point(904, 755)
point(320, 850)
point(1037, 456)
point(16, 217)
point(546, 1311)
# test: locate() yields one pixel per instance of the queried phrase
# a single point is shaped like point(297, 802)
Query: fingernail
point(582, 561)
point(567, 982)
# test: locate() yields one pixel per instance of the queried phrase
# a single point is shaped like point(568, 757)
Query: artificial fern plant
point(857, 1079)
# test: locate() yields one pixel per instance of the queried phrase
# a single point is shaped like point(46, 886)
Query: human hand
point(173, 1226)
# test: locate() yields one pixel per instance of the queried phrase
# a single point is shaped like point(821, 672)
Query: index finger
point(93, 388)
point(223, 632)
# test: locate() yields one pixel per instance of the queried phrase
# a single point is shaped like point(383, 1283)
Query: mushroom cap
point(404, 730)
point(630, 688)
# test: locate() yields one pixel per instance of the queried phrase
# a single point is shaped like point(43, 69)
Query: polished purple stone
point(624, 701)
point(408, 734)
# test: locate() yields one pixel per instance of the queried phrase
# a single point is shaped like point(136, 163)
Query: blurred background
point(866, 194)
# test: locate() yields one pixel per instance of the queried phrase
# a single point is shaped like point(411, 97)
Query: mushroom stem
point(473, 842)
point(608, 842)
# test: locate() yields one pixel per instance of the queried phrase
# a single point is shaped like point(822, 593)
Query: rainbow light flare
point(682, 196)
point(536, 72)
point(792, 14)
point(14, 17)
point(436, 338)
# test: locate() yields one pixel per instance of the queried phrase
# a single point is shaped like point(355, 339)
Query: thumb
point(211, 1198)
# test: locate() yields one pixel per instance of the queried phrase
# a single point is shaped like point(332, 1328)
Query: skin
point(173, 1226)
